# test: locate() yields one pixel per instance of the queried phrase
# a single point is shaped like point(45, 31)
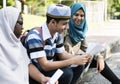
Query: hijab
point(77, 32)
point(13, 56)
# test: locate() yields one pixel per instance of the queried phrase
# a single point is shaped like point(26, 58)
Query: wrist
point(41, 78)
point(100, 57)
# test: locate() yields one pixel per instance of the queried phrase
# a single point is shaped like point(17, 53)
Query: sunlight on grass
point(31, 21)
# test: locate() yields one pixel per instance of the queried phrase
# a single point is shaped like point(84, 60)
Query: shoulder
point(33, 34)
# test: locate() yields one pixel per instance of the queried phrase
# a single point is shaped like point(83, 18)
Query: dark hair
point(56, 19)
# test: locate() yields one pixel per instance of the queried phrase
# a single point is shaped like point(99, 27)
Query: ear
point(53, 22)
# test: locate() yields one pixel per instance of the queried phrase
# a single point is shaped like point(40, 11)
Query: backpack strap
point(39, 29)
point(24, 35)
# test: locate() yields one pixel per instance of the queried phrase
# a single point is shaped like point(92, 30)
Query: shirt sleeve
point(59, 44)
point(35, 46)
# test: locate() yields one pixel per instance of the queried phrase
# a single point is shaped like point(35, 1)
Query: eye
point(76, 14)
point(81, 15)
point(20, 22)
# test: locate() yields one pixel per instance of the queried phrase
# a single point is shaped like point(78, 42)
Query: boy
point(45, 46)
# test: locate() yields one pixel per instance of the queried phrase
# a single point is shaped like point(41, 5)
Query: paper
point(55, 77)
point(93, 49)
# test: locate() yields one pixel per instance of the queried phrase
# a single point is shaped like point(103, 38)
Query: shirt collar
point(46, 32)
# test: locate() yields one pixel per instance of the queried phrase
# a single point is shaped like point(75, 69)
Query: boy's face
point(61, 26)
point(19, 26)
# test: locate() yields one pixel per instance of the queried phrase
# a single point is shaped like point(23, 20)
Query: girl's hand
point(100, 63)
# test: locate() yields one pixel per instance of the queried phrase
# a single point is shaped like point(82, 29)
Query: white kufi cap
point(59, 11)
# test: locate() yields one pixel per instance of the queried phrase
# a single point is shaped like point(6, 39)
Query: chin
point(60, 32)
point(77, 23)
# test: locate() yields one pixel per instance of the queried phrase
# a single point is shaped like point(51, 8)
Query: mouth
point(77, 22)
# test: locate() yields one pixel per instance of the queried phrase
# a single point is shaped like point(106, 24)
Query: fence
point(95, 11)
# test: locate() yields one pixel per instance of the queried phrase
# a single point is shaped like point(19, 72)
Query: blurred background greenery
point(37, 6)
point(36, 9)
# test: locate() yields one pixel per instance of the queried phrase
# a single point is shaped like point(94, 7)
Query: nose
point(79, 17)
point(67, 26)
point(22, 28)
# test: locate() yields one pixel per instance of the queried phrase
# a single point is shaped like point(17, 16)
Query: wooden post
point(4, 3)
point(22, 5)
point(105, 7)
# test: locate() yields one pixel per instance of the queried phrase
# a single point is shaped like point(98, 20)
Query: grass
point(31, 21)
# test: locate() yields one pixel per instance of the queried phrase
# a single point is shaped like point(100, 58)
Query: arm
point(36, 75)
point(37, 52)
point(100, 63)
point(47, 65)
point(65, 55)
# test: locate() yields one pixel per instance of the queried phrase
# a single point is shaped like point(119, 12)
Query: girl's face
point(78, 17)
point(19, 26)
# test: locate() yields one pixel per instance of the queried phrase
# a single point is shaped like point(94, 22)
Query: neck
point(51, 29)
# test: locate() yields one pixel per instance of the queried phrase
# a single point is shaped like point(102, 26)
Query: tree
point(22, 5)
point(8, 3)
point(68, 3)
point(34, 5)
point(39, 6)
point(114, 8)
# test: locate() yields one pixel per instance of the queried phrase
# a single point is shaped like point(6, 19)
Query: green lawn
point(31, 21)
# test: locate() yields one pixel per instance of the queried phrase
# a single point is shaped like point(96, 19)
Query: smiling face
point(58, 26)
point(19, 26)
point(78, 17)
point(62, 25)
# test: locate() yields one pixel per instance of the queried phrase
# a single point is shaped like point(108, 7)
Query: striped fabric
point(36, 47)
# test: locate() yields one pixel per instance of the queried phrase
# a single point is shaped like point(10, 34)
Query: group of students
point(43, 53)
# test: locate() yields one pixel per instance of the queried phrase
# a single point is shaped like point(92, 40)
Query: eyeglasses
point(20, 22)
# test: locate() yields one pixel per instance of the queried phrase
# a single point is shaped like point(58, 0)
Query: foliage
point(39, 6)
point(9, 3)
point(51, 2)
point(1, 3)
point(114, 8)
point(35, 6)
point(67, 2)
